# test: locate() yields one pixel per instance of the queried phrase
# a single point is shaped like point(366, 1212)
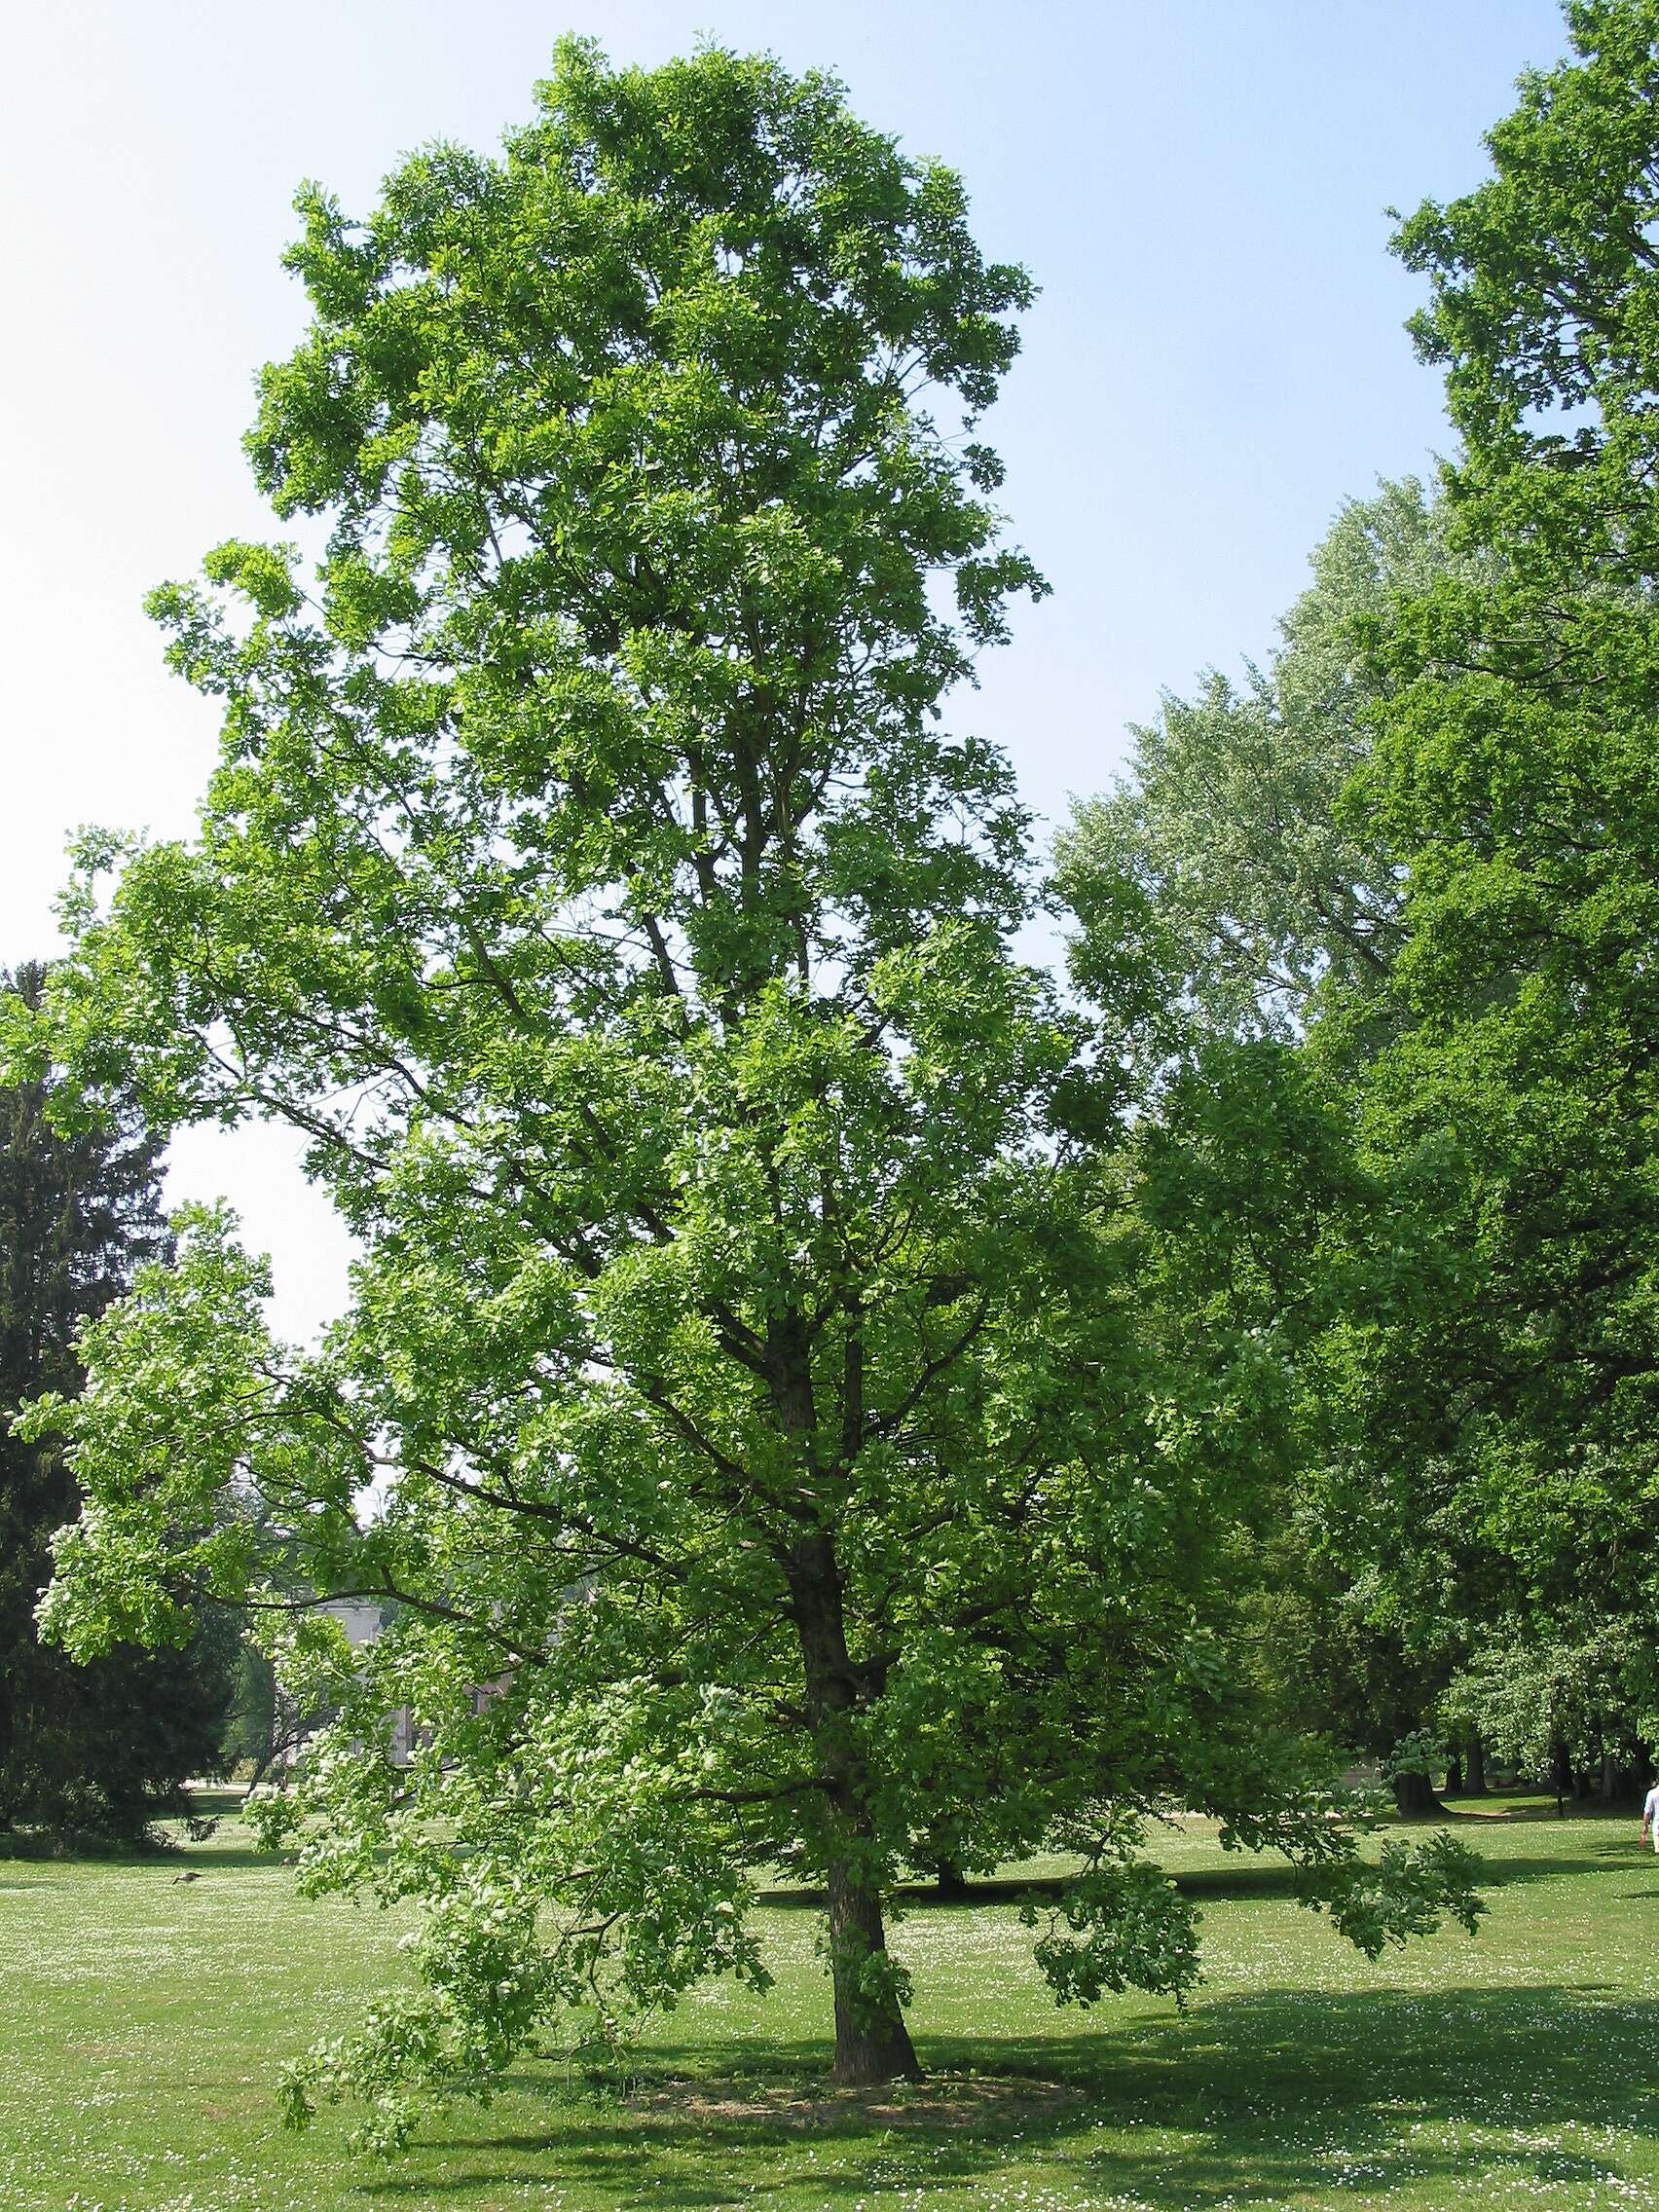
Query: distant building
point(361, 1620)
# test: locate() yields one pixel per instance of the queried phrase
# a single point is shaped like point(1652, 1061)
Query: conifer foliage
point(100, 1749)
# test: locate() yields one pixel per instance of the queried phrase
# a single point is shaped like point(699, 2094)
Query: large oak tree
point(760, 1381)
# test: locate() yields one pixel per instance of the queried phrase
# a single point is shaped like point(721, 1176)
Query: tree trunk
point(1474, 1767)
point(951, 1884)
point(872, 2044)
point(1454, 1776)
point(1414, 1794)
point(1561, 1774)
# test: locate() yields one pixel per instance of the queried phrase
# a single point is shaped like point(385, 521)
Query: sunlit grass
point(145, 2019)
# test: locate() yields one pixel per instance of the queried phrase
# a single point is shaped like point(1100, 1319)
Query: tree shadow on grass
point(1239, 1878)
point(227, 1858)
point(164, 1857)
point(1251, 2099)
point(167, 1865)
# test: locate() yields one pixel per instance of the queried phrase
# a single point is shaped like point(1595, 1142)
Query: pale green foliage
point(1591, 1697)
point(1407, 1894)
point(1226, 848)
point(1119, 1925)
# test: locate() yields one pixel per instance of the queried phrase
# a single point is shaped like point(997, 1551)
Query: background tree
point(1505, 1462)
point(261, 1726)
point(1229, 839)
point(106, 1748)
point(1577, 1711)
point(1489, 817)
point(751, 1291)
point(1514, 777)
point(1233, 867)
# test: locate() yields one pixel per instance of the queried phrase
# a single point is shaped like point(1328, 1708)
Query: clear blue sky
point(1215, 363)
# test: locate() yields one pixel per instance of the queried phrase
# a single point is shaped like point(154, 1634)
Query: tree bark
point(951, 1884)
point(1414, 1793)
point(1561, 1774)
point(1474, 1767)
point(872, 2044)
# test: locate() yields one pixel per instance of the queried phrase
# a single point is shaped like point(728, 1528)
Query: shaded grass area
point(146, 2017)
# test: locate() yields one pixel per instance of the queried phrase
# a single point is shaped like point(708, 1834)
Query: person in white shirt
point(1650, 1815)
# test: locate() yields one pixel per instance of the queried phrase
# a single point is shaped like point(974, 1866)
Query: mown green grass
point(144, 2020)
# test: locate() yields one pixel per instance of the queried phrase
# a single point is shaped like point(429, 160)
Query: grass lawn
point(144, 2018)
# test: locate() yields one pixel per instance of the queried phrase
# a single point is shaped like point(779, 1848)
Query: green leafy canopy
point(754, 1347)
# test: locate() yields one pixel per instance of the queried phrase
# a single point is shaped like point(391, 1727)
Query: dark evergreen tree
point(103, 1748)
